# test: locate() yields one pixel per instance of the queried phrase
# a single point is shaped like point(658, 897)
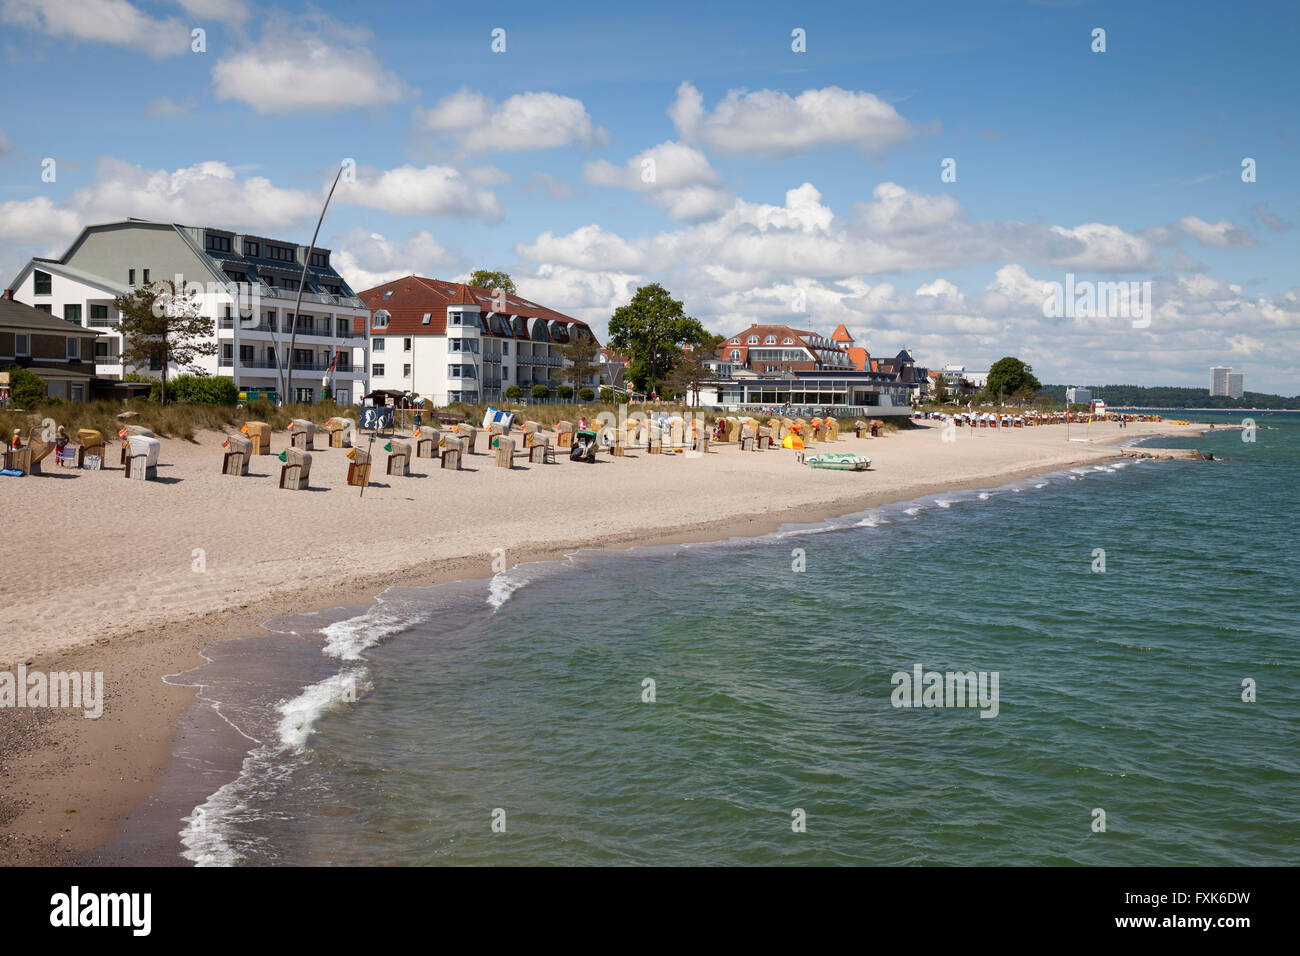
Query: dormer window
point(251, 248)
point(381, 320)
point(787, 341)
point(735, 341)
point(770, 340)
point(216, 243)
point(320, 259)
point(753, 340)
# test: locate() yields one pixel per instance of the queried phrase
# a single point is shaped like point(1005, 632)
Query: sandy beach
point(135, 578)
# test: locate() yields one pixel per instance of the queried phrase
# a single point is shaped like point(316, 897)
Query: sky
point(919, 172)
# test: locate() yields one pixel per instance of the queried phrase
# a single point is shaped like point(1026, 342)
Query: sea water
point(734, 703)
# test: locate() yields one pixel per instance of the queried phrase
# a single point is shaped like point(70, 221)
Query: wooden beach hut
point(358, 467)
point(426, 442)
point(259, 433)
point(295, 473)
point(564, 434)
point(302, 434)
point(238, 451)
point(340, 432)
point(142, 457)
point(399, 458)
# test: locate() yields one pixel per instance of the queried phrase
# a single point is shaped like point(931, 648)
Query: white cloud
point(421, 191)
point(232, 12)
point(115, 22)
point(367, 259)
point(316, 64)
point(525, 121)
point(1221, 235)
point(771, 122)
point(36, 220)
point(677, 178)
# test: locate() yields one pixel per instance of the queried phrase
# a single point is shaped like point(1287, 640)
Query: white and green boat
point(839, 461)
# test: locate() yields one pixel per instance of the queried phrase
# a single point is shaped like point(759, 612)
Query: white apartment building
point(246, 284)
point(449, 342)
point(1219, 380)
point(1236, 384)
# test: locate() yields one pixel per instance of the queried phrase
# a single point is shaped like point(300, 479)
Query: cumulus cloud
point(309, 63)
point(526, 121)
point(677, 178)
point(770, 122)
point(115, 22)
point(421, 191)
point(367, 259)
point(1221, 235)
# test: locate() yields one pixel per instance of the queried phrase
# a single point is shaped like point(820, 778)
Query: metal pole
point(302, 284)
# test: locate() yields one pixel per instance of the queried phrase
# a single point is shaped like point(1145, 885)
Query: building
point(765, 349)
point(61, 352)
point(246, 284)
point(860, 357)
point(1076, 395)
point(1236, 384)
point(448, 342)
point(1219, 380)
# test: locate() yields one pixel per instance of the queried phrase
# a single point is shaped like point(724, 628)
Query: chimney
point(9, 294)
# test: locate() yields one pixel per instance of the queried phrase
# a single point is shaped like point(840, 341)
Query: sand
point(135, 578)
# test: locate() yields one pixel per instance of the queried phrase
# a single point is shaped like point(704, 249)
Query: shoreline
point(105, 770)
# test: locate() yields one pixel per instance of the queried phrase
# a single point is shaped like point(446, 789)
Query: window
point(406, 371)
point(735, 341)
point(427, 317)
point(770, 340)
point(43, 283)
point(505, 348)
point(74, 349)
point(381, 320)
point(216, 243)
point(389, 294)
point(304, 395)
point(406, 344)
point(251, 248)
point(130, 277)
point(98, 312)
point(333, 289)
point(46, 308)
point(21, 346)
point(320, 259)
point(379, 345)
point(505, 375)
point(753, 340)
point(787, 341)
point(77, 390)
point(735, 355)
point(282, 253)
point(101, 351)
point(235, 276)
point(454, 318)
point(341, 328)
point(378, 370)
point(155, 363)
point(146, 276)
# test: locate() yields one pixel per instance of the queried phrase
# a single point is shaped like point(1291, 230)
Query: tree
point(1008, 376)
point(580, 353)
point(514, 392)
point(688, 375)
point(161, 323)
point(587, 394)
point(26, 388)
point(607, 396)
point(486, 279)
point(652, 328)
point(541, 393)
point(565, 392)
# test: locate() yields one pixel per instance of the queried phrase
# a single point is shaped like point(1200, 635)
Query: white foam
point(501, 587)
point(347, 639)
point(299, 716)
point(943, 503)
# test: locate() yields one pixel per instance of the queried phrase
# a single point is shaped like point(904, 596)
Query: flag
point(388, 446)
point(417, 433)
point(244, 429)
point(283, 456)
point(291, 426)
point(226, 443)
point(122, 434)
point(352, 454)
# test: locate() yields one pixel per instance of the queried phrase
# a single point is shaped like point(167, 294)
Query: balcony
point(316, 329)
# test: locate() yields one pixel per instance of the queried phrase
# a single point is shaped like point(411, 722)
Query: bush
point(565, 392)
point(607, 396)
point(540, 393)
point(25, 388)
point(514, 392)
point(587, 395)
point(200, 390)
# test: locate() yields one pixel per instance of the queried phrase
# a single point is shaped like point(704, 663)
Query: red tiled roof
point(841, 334)
point(409, 298)
point(801, 339)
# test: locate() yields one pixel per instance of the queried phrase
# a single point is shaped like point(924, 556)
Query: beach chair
point(358, 467)
point(399, 459)
point(238, 452)
point(450, 453)
point(564, 434)
point(295, 473)
point(126, 431)
point(340, 431)
point(259, 433)
point(142, 457)
point(468, 433)
point(531, 430)
point(542, 452)
point(90, 441)
point(832, 429)
point(302, 434)
point(505, 451)
point(426, 442)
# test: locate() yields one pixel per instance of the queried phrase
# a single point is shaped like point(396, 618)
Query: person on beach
point(16, 442)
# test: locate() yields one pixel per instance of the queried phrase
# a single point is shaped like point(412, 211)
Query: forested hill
point(1163, 396)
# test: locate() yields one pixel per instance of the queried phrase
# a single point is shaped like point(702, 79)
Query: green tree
point(607, 396)
point(161, 323)
point(26, 388)
point(514, 392)
point(688, 375)
point(1010, 375)
point(581, 354)
point(487, 279)
point(565, 392)
point(541, 393)
point(587, 394)
point(652, 328)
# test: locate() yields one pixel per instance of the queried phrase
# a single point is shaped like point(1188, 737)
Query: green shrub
point(586, 394)
point(565, 392)
point(607, 396)
point(514, 392)
point(200, 390)
point(541, 393)
point(26, 388)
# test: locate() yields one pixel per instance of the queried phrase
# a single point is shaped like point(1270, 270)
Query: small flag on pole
point(283, 456)
point(291, 426)
point(244, 429)
point(388, 446)
point(122, 434)
point(352, 454)
point(417, 433)
point(226, 443)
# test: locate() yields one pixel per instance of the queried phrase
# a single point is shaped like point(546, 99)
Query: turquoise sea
point(442, 716)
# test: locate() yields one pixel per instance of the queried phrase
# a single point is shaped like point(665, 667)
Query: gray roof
point(17, 315)
point(81, 275)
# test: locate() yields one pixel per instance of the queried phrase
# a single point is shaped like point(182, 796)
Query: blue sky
point(781, 179)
